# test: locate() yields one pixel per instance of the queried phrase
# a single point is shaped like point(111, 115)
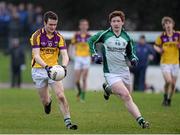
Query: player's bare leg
point(121, 91)
point(45, 99)
point(168, 88)
point(64, 107)
point(172, 90)
point(108, 90)
point(128, 86)
point(77, 82)
point(84, 83)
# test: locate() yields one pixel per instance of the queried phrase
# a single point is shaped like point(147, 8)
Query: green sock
point(82, 95)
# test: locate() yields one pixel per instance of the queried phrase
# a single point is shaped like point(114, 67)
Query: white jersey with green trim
point(115, 50)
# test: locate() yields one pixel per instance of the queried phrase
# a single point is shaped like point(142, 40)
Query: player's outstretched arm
point(37, 57)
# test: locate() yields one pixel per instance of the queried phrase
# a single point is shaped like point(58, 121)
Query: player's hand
point(48, 70)
point(161, 51)
point(178, 45)
point(97, 59)
point(134, 62)
point(65, 70)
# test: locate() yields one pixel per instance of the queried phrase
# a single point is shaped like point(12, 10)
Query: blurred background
point(140, 15)
point(19, 19)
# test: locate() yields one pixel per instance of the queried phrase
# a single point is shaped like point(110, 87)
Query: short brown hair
point(117, 13)
point(167, 19)
point(50, 15)
point(83, 20)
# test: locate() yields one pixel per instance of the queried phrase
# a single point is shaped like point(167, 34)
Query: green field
point(22, 112)
point(5, 68)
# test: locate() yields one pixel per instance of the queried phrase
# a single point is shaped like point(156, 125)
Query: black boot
point(165, 102)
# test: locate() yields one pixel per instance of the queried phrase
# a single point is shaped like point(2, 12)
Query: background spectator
point(145, 53)
point(16, 53)
point(4, 21)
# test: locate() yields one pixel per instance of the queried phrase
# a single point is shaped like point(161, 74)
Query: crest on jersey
point(50, 43)
point(117, 43)
point(43, 43)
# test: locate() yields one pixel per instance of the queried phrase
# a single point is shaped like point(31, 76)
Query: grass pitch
point(21, 112)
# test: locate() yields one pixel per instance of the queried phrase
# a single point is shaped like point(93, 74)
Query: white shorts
point(113, 78)
point(82, 62)
point(40, 77)
point(170, 68)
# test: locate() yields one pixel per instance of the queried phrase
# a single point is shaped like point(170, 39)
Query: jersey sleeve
point(62, 43)
point(131, 50)
point(158, 41)
point(93, 40)
point(73, 40)
point(35, 40)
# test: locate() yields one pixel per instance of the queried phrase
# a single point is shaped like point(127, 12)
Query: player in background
point(82, 58)
point(117, 46)
point(167, 46)
point(47, 44)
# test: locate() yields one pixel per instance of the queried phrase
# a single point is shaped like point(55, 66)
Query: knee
point(61, 97)
point(126, 96)
point(169, 81)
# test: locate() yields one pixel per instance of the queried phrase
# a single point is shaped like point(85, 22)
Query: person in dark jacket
point(16, 53)
point(145, 53)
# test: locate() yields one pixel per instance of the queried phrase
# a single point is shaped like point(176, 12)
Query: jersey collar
point(45, 33)
point(117, 36)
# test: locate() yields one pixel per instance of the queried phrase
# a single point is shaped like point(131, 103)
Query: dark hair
point(143, 37)
point(117, 13)
point(83, 20)
point(50, 15)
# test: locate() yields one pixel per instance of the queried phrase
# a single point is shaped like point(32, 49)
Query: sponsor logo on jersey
point(43, 43)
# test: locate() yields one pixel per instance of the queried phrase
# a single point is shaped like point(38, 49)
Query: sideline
point(23, 85)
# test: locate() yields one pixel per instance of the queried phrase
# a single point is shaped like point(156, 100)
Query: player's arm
point(35, 44)
point(71, 48)
point(131, 53)
point(71, 51)
point(63, 51)
point(37, 57)
point(158, 45)
point(158, 49)
point(64, 54)
point(131, 50)
point(92, 45)
point(65, 57)
point(92, 42)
